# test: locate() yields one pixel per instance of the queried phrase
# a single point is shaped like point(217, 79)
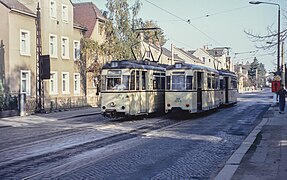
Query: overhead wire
point(186, 21)
point(218, 13)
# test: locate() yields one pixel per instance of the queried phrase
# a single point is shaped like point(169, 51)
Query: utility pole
point(39, 86)
point(282, 65)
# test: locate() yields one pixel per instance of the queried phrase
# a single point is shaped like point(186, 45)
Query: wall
point(19, 62)
point(4, 46)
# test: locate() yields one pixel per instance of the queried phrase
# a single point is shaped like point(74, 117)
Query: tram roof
point(191, 66)
point(135, 64)
point(227, 73)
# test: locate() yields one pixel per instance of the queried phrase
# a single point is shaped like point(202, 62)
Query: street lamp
point(278, 40)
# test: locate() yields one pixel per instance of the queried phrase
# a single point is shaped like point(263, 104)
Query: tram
point(228, 87)
point(191, 88)
point(132, 87)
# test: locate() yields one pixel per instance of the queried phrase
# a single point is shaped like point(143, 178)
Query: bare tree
point(269, 40)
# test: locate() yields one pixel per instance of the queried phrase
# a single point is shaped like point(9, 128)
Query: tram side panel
point(210, 99)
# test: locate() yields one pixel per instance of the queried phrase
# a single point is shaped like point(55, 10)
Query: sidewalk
point(17, 121)
point(263, 154)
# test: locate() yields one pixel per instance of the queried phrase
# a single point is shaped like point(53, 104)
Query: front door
point(226, 90)
point(199, 90)
point(143, 93)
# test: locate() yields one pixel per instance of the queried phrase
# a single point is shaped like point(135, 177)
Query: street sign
point(45, 67)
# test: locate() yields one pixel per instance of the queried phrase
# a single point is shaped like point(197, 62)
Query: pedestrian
point(282, 95)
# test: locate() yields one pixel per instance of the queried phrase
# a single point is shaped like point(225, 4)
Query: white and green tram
point(131, 88)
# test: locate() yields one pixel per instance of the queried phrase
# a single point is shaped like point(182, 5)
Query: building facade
point(60, 38)
point(91, 17)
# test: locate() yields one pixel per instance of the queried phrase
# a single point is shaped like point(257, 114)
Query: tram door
point(226, 89)
point(199, 90)
point(143, 93)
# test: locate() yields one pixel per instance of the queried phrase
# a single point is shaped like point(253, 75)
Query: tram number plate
point(178, 100)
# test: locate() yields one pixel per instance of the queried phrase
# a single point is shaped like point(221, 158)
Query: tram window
point(113, 83)
point(137, 80)
point(162, 83)
point(213, 83)
point(233, 84)
point(222, 84)
point(156, 83)
point(126, 82)
point(178, 82)
point(132, 87)
point(209, 82)
point(188, 82)
point(143, 80)
point(103, 86)
point(216, 83)
point(168, 82)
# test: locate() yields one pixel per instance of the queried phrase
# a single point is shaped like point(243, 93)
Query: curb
point(233, 162)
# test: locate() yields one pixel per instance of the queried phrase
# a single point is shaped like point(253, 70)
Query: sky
point(213, 23)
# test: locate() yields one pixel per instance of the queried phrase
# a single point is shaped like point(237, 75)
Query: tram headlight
point(168, 105)
point(123, 107)
point(187, 105)
point(104, 107)
point(113, 104)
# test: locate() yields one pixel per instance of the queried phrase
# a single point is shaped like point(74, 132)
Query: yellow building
point(60, 37)
point(91, 17)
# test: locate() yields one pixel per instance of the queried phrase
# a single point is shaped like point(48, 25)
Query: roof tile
point(14, 4)
point(87, 15)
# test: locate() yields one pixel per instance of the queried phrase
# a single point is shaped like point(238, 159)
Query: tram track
point(22, 165)
point(20, 142)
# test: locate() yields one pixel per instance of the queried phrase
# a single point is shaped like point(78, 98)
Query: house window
point(65, 83)
point(203, 59)
point(25, 82)
point(65, 47)
point(25, 42)
point(54, 83)
point(65, 13)
point(77, 50)
point(53, 46)
point(77, 83)
point(53, 9)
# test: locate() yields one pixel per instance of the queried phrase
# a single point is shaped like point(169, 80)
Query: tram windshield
point(178, 82)
point(116, 83)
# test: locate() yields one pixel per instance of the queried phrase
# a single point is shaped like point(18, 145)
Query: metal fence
point(61, 103)
point(11, 102)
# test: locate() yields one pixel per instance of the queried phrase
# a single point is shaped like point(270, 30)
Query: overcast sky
point(216, 23)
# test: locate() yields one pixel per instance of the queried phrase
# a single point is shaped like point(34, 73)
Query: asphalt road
point(159, 147)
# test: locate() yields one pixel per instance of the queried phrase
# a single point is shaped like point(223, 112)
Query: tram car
point(191, 88)
point(131, 88)
point(228, 87)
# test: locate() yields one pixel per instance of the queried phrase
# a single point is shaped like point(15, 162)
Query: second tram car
point(131, 87)
point(228, 87)
point(191, 88)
